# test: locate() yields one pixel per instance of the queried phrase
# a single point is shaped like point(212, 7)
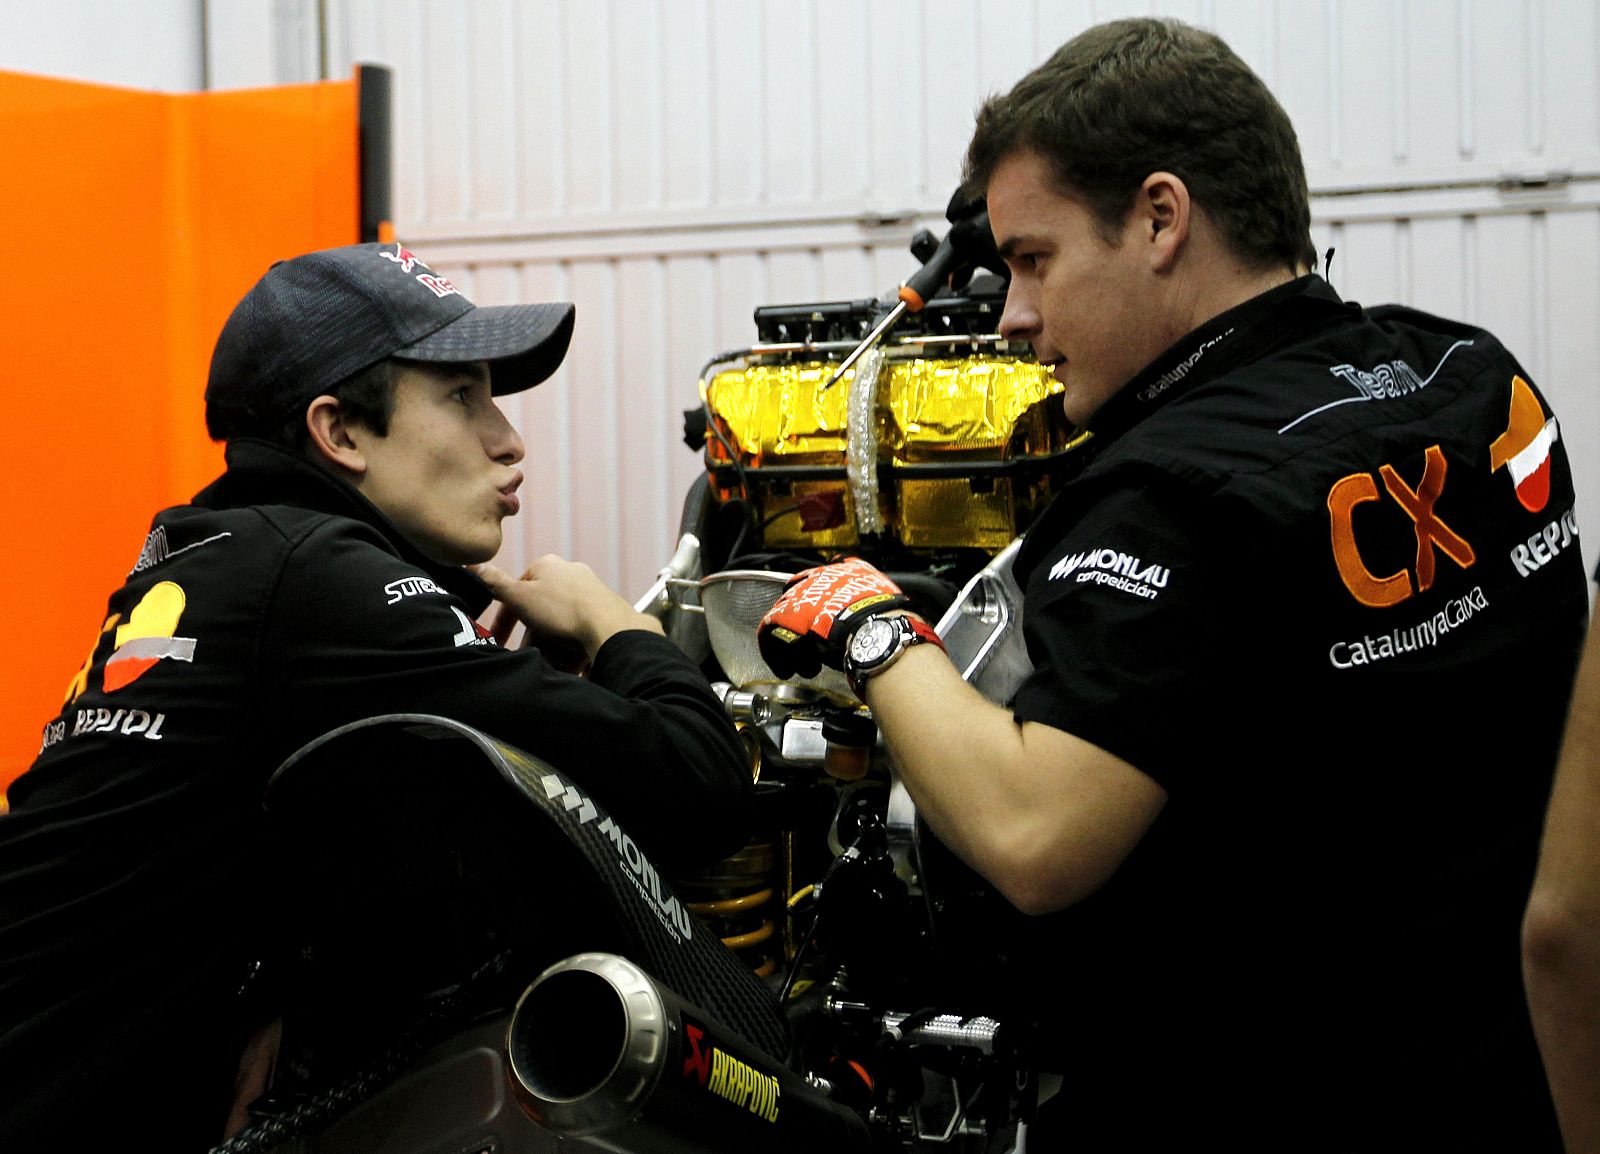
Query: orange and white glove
point(811, 624)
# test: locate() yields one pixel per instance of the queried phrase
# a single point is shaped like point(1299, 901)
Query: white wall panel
point(789, 129)
point(672, 164)
point(254, 43)
point(544, 415)
point(648, 517)
point(846, 273)
point(738, 153)
point(154, 45)
point(585, 108)
point(595, 417)
point(635, 76)
point(492, 140)
point(1506, 253)
point(896, 104)
point(793, 277)
point(539, 173)
point(684, 100)
point(1437, 264)
point(844, 117)
point(1571, 290)
point(687, 303)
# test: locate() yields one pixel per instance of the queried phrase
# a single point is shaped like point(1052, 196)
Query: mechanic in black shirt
point(1304, 624)
point(334, 572)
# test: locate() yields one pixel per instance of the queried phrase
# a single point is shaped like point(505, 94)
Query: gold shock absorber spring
point(739, 898)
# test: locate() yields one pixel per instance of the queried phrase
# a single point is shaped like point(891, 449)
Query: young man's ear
point(1163, 209)
point(331, 439)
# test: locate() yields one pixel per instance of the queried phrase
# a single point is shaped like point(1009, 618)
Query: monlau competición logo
point(646, 879)
point(1121, 571)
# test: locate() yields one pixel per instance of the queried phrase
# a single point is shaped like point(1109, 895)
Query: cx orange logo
point(1433, 535)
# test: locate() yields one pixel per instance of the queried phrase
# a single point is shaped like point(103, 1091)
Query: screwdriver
point(913, 295)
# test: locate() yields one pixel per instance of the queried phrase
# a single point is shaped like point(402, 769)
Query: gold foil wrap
point(981, 408)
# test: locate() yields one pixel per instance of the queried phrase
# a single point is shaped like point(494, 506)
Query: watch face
point(873, 641)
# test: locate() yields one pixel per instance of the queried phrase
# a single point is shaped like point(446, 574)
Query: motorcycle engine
point(928, 454)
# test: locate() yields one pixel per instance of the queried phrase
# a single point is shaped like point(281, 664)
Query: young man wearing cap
point(327, 576)
point(1304, 619)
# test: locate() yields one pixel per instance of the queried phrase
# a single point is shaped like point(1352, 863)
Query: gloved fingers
point(807, 626)
point(788, 654)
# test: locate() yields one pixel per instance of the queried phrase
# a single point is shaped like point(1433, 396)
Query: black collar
point(1242, 335)
point(262, 473)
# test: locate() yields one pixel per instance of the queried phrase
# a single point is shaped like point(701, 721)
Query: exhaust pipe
point(599, 1050)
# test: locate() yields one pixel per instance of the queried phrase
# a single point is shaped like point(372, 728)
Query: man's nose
point(1019, 321)
point(504, 443)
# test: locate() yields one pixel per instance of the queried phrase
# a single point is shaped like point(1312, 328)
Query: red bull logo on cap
point(439, 286)
point(404, 257)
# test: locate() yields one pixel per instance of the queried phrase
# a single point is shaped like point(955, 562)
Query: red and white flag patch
point(1524, 448)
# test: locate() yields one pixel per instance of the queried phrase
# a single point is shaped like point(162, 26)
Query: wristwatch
point(878, 643)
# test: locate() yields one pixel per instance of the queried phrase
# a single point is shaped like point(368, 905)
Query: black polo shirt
point(1319, 577)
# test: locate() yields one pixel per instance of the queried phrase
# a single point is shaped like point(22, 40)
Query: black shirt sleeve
point(354, 631)
point(1123, 630)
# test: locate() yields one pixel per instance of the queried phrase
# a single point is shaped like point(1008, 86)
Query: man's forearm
point(1563, 961)
point(1041, 814)
point(949, 746)
point(1561, 930)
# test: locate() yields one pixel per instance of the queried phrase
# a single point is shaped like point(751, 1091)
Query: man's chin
point(1080, 401)
point(487, 553)
point(1076, 407)
point(462, 552)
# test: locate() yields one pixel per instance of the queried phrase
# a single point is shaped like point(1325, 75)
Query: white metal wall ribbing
point(671, 164)
point(154, 44)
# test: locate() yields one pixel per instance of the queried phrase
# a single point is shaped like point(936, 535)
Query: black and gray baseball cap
point(312, 321)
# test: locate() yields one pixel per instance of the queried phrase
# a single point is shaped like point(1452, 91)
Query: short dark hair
point(1131, 97)
point(365, 397)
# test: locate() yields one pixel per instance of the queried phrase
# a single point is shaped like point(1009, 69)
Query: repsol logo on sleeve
point(128, 722)
point(1545, 545)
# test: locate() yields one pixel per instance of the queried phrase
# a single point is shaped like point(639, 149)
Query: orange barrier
point(135, 221)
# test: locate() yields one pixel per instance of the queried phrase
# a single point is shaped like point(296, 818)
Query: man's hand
point(568, 611)
point(256, 1065)
point(812, 622)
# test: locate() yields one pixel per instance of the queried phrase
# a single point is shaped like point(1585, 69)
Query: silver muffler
point(599, 1050)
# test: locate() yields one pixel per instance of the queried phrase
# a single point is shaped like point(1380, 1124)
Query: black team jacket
point(134, 875)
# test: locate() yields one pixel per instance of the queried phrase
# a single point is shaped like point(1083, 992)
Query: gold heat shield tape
point(980, 408)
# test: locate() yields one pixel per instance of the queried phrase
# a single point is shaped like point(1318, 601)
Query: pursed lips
point(508, 495)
